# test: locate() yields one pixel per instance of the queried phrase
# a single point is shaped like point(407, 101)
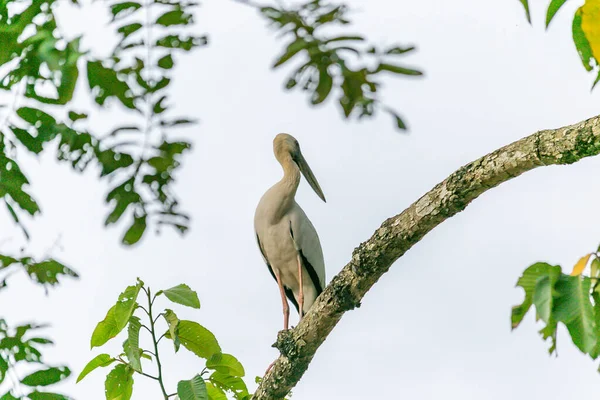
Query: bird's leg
point(286, 307)
point(301, 291)
point(286, 311)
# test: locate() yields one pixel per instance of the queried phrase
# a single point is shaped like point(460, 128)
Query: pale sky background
point(438, 324)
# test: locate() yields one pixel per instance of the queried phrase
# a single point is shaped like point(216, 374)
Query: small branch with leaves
point(225, 370)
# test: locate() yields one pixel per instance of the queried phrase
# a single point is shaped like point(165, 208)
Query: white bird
point(286, 238)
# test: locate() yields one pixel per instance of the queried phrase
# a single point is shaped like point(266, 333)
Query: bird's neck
point(287, 186)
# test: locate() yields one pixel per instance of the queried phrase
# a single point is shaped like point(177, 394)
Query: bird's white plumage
point(279, 222)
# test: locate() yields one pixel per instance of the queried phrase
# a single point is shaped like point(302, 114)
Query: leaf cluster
point(46, 272)
point(221, 376)
point(331, 62)
point(573, 300)
point(19, 347)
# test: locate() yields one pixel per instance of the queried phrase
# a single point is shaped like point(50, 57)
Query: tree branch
point(398, 234)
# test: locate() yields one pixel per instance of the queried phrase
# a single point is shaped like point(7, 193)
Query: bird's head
point(284, 146)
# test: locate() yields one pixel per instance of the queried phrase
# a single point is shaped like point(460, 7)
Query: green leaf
point(47, 272)
point(345, 38)
point(119, 383)
point(292, 49)
point(132, 350)
point(126, 305)
point(528, 281)
point(572, 307)
point(112, 161)
point(46, 377)
point(129, 29)
point(101, 360)
point(225, 363)
point(106, 329)
point(553, 8)
point(396, 69)
point(173, 323)
point(581, 42)
point(214, 393)
point(158, 107)
point(135, 231)
point(178, 42)
point(8, 395)
point(47, 396)
point(175, 17)
point(73, 116)
point(197, 339)
point(543, 295)
point(229, 383)
point(121, 10)
point(323, 88)
point(166, 62)
point(397, 119)
point(543, 298)
point(526, 6)
point(194, 389)
point(105, 83)
point(399, 50)
point(182, 294)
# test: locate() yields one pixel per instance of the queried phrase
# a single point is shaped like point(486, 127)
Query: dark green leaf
point(324, 87)
point(104, 83)
point(175, 17)
point(399, 50)
point(73, 116)
point(46, 377)
point(135, 231)
point(47, 272)
point(180, 121)
point(101, 360)
point(166, 62)
point(158, 107)
point(526, 6)
point(397, 119)
point(121, 10)
point(194, 389)
point(396, 69)
point(292, 49)
point(182, 294)
point(345, 38)
point(129, 29)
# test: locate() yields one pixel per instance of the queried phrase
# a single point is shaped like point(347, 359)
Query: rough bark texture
point(398, 234)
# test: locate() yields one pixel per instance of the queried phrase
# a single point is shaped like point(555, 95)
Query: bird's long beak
point(310, 177)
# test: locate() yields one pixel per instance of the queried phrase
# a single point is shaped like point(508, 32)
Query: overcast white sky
point(437, 325)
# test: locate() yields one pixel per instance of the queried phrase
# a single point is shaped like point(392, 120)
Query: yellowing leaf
point(580, 266)
point(590, 24)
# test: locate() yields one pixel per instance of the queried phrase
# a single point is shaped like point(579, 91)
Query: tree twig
point(398, 234)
